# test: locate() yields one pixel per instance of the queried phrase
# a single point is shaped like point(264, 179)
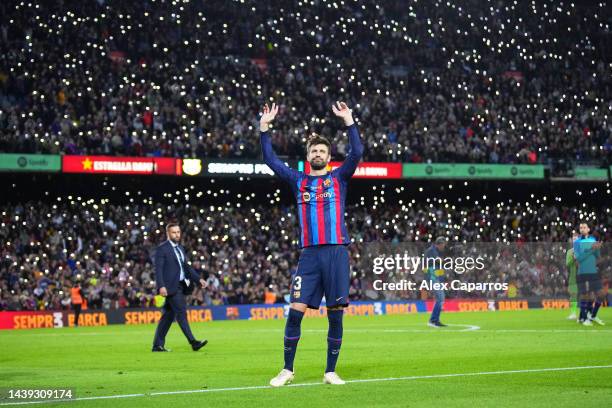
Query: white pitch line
point(583, 330)
point(468, 328)
point(365, 380)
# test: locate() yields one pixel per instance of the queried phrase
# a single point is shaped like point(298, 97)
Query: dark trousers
point(77, 312)
point(175, 307)
point(437, 309)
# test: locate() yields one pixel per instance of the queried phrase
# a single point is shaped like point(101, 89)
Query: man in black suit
point(175, 279)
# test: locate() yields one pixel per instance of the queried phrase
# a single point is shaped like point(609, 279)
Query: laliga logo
point(192, 166)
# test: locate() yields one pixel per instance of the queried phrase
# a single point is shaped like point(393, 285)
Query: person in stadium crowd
point(76, 299)
point(175, 279)
point(435, 274)
point(104, 286)
point(572, 288)
point(323, 266)
point(72, 119)
point(587, 251)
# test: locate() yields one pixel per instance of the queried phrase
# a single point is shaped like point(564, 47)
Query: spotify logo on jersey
point(306, 196)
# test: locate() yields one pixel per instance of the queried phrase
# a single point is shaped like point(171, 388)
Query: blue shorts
point(322, 270)
point(589, 283)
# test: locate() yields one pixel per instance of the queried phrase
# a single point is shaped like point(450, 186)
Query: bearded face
point(318, 156)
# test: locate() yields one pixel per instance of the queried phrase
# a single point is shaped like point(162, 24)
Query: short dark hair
point(171, 224)
point(316, 140)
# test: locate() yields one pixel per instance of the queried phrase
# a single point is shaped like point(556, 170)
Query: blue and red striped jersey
point(320, 199)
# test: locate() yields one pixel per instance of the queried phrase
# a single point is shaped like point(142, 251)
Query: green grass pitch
point(405, 362)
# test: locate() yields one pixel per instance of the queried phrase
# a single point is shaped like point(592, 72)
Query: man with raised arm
point(323, 267)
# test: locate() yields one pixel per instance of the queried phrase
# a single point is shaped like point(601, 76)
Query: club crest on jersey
point(327, 182)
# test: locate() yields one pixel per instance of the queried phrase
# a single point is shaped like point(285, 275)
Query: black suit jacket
point(168, 270)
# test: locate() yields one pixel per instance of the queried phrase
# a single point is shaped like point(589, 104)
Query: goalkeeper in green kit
point(572, 286)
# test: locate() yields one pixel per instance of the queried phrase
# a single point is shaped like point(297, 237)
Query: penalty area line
point(365, 380)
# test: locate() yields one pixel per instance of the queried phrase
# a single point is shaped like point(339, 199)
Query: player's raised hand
point(342, 111)
point(267, 116)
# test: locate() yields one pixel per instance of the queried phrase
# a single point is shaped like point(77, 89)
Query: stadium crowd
point(248, 249)
point(474, 81)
